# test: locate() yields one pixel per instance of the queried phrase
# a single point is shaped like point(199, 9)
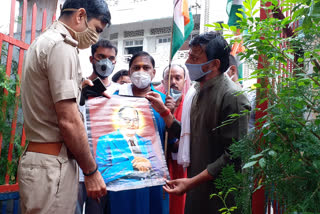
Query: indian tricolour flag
point(182, 24)
point(233, 7)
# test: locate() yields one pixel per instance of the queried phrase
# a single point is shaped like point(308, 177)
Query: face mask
point(140, 79)
point(227, 75)
point(175, 94)
point(103, 68)
point(196, 72)
point(85, 38)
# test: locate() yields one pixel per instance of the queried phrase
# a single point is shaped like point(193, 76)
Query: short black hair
point(119, 74)
point(94, 8)
point(141, 53)
point(216, 47)
point(103, 43)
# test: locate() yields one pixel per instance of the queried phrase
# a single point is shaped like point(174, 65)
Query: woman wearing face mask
point(149, 200)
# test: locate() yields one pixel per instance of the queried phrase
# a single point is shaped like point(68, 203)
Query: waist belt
point(49, 148)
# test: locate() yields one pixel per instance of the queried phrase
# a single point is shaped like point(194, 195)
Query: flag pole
point(169, 81)
point(168, 91)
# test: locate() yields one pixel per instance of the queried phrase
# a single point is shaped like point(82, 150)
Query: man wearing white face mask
point(103, 59)
point(215, 99)
point(152, 200)
point(50, 92)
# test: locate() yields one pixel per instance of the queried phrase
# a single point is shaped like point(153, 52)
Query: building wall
point(130, 16)
point(212, 11)
point(156, 41)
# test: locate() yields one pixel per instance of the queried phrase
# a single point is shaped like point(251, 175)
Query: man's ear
point(214, 65)
point(153, 74)
point(233, 70)
point(217, 63)
point(80, 14)
point(91, 59)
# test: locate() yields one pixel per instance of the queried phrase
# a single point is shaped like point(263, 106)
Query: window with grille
point(133, 46)
point(164, 40)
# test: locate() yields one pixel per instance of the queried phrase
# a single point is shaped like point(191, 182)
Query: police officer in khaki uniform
point(50, 90)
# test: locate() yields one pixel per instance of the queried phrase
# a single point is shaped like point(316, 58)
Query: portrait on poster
point(125, 142)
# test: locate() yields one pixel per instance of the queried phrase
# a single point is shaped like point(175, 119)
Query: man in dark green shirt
point(215, 99)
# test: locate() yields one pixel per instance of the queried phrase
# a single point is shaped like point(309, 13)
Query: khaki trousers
point(48, 183)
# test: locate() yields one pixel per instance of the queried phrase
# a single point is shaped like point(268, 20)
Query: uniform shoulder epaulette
point(69, 40)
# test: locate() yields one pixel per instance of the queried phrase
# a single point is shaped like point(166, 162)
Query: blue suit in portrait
point(148, 200)
point(114, 157)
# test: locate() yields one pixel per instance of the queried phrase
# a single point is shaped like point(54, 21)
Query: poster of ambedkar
point(125, 142)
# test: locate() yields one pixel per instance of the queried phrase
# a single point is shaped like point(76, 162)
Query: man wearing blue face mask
point(103, 59)
point(215, 99)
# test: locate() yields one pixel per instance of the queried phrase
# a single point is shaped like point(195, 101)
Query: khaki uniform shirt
point(51, 73)
point(211, 106)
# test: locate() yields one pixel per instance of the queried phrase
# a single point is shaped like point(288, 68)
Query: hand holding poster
point(125, 142)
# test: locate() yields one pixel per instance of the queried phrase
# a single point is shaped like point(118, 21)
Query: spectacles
point(129, 120)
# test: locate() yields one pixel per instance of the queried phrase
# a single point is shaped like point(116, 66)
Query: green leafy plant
point(223, 198)
point(282, 154)
point(8, 102)
point(230, 183)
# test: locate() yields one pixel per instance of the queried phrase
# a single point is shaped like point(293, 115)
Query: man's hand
point(90, 83)
point(183, 185)
point(170, 103)
point(156, 102)
point(95, 186)
point(105, 94)
point(159, 106)
point(178, 186)
point(87, 82)
point(141, 163)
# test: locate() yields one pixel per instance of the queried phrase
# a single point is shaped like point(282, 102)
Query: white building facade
point(146, 25)
point(138, 25)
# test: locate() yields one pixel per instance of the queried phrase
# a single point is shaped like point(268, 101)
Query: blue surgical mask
point(175, 94)
point(195, 70)
point(103, 68)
